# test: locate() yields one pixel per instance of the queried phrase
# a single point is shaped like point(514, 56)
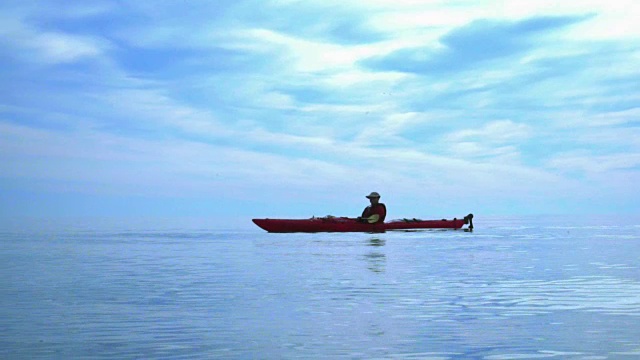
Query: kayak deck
point(344, 224)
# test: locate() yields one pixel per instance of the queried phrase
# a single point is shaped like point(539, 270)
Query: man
point(374, 213)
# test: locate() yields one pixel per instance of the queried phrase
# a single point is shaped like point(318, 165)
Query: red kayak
point(344, 224)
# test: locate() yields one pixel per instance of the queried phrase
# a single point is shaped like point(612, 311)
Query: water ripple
point(503, 292)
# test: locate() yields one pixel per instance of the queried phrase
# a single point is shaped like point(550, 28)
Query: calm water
point(513, 289)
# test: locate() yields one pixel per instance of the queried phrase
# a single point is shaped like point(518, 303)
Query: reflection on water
point(376, 259)
point(500, 292)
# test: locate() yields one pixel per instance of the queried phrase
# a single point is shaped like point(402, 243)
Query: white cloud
point(353, 77)
point(62, 48)
point(500, 131)
point(614, 20)
point(496, 141)
point(388, 130)
point(621, 117)
point(583, 161)
point(307, 55)
point(121, 164)
point(82, 10)
point(48, 47)
point(153, 107)
point(470, 150)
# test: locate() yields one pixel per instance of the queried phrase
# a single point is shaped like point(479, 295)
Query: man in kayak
point(374, 213)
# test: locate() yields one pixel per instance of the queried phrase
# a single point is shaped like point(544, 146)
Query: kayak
point(345, 224)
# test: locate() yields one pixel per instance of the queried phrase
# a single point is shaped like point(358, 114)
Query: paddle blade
point(373, 218)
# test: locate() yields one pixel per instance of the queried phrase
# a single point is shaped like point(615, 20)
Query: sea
point(531, 287)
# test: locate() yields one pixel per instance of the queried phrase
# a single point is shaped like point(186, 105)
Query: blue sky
point(240, 109)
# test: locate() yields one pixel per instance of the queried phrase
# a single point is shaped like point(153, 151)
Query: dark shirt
point(379, 209)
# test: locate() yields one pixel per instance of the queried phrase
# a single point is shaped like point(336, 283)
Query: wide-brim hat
point(373, 195)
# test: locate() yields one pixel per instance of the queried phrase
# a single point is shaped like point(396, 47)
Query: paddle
point(371, 219)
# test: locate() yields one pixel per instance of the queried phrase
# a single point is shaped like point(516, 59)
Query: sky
point(284, 108)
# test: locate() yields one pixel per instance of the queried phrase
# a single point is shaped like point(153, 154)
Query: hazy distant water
point(513, 289)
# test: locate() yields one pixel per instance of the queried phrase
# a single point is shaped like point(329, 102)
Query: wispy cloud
point(471, 46)
point(29, 44)
point(583, 161)
point(500, 131)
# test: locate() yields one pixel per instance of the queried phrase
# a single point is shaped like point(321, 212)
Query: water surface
point(518, 288)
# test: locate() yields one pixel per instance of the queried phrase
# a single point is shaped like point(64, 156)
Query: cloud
point(497, 140)
point(500, 131)
point(472, 45)
point(48, 47)
point(583, 161)
point(62, 48)
point(624, 117)
point(324, 22)
point(96, 161)
point(117, 164)
point(28, 33)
